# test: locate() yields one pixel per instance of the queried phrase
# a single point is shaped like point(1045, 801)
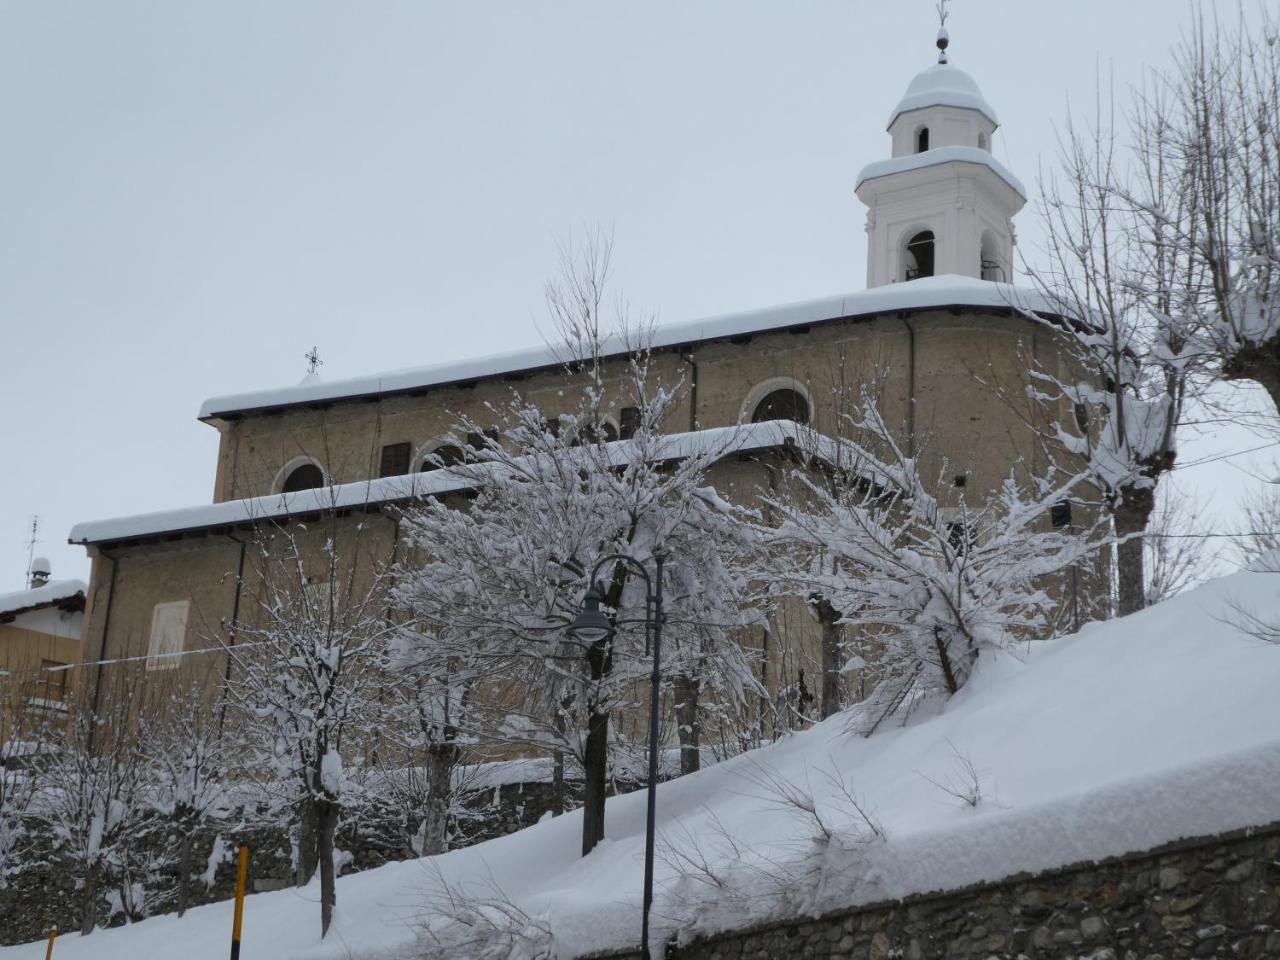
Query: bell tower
point(942, 204)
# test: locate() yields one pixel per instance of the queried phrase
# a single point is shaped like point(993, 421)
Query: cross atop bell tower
point(942, 204)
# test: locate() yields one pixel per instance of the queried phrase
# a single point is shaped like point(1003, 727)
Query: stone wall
point(1214, 897)
point(45, 893)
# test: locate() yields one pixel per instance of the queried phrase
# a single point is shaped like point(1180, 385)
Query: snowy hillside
point(1132, 733)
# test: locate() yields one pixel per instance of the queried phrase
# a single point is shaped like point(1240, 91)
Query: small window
point(482, 440)
point(445, 455)
point(168, 634)
point(920, 250)
point(961, 480)
point(552, 426)
point(306, 477)
point(922, 140)
point(53, 681)
point(629, 420)
point(785, 404)
point(989, 266)
point(395, 460)
point(1060, 514)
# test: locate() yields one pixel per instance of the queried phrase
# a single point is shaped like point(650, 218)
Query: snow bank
point(1128, 735)
point(942, 291)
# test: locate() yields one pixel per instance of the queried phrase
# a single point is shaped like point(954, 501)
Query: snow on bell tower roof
point(943, 85)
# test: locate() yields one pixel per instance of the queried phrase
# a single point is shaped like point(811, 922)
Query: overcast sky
point(192, 195)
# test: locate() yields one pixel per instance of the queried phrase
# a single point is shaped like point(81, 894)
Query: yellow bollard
point(242, 873)
point(53, 935)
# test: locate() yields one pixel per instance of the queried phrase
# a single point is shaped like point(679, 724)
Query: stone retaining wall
point(45, 893)
point(1213, 897)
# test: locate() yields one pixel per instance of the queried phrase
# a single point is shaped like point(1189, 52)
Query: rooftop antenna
point(31, 545)
point(314, 362)
point(943, 38)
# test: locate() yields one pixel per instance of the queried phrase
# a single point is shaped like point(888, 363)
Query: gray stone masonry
point(1214, 897)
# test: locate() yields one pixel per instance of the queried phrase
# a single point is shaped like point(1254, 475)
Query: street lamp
point(592, 626)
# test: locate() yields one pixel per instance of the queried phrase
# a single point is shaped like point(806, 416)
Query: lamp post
point(591, 626)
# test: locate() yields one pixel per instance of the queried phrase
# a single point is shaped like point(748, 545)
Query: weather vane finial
point(314, 363)
point(943, 38)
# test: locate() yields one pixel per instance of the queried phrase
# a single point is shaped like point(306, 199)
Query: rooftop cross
point(943, 38)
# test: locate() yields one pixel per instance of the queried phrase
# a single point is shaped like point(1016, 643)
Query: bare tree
point(1126, 291)
point(304, 669)
point(95, 805)
point(934, 584)
point(183, 748)
point(1218, 113)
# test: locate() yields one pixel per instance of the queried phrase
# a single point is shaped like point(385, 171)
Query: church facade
point(938, 328)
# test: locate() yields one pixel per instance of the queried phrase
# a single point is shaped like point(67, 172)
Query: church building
point(937, 327)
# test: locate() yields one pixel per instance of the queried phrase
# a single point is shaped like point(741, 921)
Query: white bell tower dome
point(942, 204)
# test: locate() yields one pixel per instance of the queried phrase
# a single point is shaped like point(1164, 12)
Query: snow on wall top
point(930, 158)
point(717, 442)
point(943, 85)
point(943, 291)
point(49, 593)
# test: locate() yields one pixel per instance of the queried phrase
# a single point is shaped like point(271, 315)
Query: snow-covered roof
point(943, 85)
point(717, 442)
point(930, 158)
point(944, 291)
point(46, 595)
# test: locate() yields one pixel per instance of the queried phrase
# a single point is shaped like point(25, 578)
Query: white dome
point(943, 85)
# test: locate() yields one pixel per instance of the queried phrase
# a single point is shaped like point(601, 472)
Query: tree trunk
point(308, 837)
point(441, 759)
point(595, 754)
point(595, 773)
point(831, 657)
point(184, 870)
point(89, 910)
point(557, 783)
point(687, 690)
point(326, 827)
point(1130, 517)
point(1261, 364)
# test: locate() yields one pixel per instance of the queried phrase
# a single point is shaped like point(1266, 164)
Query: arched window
point(919, 259)
point(922, 140)
point(989, 265)
point(984, 142)
point(304, 477)
point(785, 404)
point(445, 455)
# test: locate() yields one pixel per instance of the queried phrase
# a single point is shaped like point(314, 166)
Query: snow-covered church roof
point(923, 294)
point(715, 443)
point(943, 85)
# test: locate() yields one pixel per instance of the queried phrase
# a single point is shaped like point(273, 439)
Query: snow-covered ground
point(1132, 733)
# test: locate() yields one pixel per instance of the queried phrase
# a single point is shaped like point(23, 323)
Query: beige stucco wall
point(967, 372)
point(939, 354)
point(28, 693)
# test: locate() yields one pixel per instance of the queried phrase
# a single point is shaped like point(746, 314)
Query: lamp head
point(590, 625)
